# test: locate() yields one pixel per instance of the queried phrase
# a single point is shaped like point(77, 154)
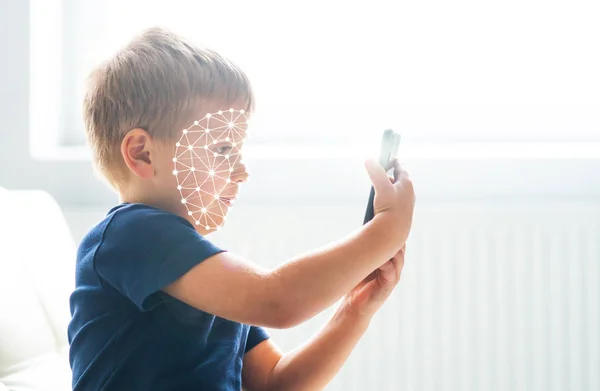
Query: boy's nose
point(240, 173)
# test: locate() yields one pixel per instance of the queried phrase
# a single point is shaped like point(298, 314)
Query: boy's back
point(126, 333)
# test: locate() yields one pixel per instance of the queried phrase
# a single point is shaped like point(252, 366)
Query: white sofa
point(37, 255)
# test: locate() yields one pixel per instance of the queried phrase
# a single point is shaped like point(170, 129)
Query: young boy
point(157, 306)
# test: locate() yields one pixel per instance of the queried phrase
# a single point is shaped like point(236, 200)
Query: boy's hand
point(397, 195)
point(368, 296)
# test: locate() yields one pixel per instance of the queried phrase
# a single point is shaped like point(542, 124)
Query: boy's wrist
point(396, 225)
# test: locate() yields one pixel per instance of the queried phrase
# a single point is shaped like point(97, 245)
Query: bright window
point(340, 72)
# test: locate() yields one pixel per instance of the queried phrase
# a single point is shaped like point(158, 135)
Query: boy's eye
point(223, 150)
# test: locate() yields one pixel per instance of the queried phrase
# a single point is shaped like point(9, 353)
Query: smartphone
point(390, 141)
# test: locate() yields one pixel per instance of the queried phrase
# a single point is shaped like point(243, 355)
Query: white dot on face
point(208, 115)
point(233, 144)
point(197, 222)
point(231, 110)
point(203, 210)
point(192, 168)
point(215, 141)
point(242, 111)
point(228, 180)
point(231, 170)
point(179, 187)
point(178, 144)
point(183, 201)
point(174, 172)
point(226, 138)
point(197, 189)
point(206, 147)
point(190, 147)
point(196, 122)
point(216, 196)
point(189, 213)
point(231, 125)
point(226, 156)
point(184, 131)
point(207, 130)
point(215, 154)
point(174, 159)
point(211, 173)
point(207, 227)
point(219, 112)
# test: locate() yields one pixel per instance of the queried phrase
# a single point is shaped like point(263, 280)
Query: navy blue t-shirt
point(125, 333)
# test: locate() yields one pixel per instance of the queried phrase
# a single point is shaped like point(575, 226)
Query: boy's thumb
point(377, 174)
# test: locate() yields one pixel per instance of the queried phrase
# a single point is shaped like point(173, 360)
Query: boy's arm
point(310, 367)
point(313, 366)
point(235, 289)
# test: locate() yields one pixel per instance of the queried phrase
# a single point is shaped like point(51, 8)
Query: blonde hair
point(158, 82)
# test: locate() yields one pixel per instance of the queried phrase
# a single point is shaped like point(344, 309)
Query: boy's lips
point(227, 200)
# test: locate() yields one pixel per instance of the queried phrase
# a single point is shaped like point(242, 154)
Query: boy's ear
point(137, 149)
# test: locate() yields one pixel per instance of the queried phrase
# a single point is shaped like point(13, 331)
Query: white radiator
point(494, 297)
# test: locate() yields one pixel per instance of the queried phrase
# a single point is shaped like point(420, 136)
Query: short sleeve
point(255, 336)
point(144, 249)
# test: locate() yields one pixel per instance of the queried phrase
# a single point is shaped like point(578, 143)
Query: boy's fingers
point(387, 271)
point(398, 170)
point(377, 174)
point(392, 164)
point(398, 261)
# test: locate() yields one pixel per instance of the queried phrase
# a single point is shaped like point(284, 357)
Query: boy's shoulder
point(138, 249)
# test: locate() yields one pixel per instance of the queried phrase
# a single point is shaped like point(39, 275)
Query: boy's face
point(207, 167)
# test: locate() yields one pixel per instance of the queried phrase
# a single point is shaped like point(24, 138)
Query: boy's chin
point(214, 226)
point(203, 225)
